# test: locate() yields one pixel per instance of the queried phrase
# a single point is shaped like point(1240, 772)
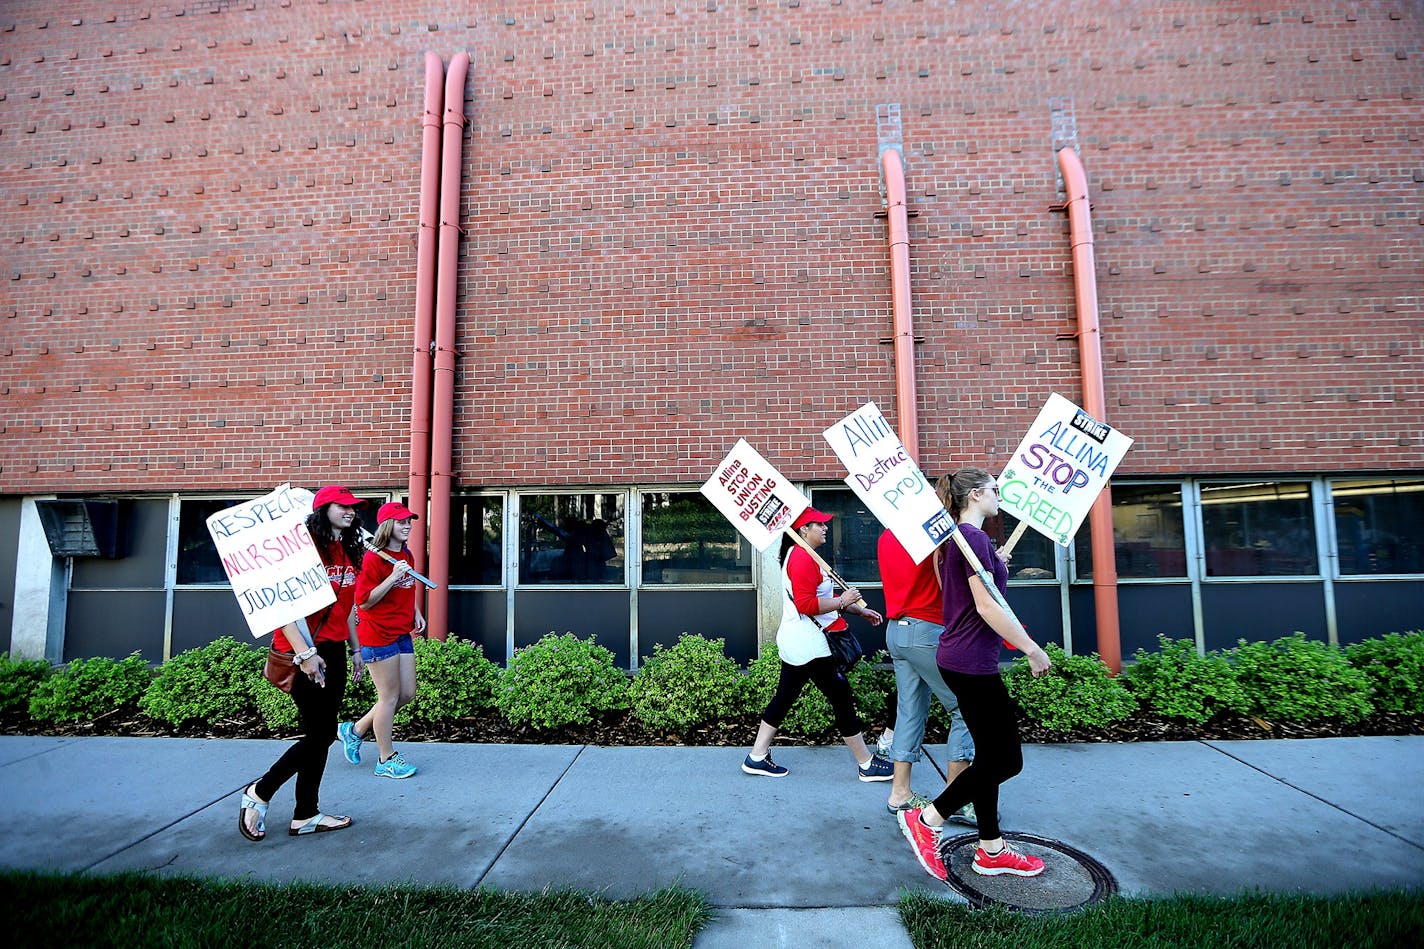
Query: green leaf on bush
point(18, 680)
point(1299, 679)
point(217, 681)
point(1395, 666)
point(560, 680)
point(1076, 693)
point(1177, 682)
point(84, 689)
point(693, 683)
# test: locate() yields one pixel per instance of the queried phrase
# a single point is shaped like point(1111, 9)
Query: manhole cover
point(1070, 878)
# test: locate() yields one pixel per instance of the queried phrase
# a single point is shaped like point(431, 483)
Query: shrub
point(560, 680)
point(453, 680)
point(1177, 682)
point(1299, 679)
point(87, 688)
point(691, 684)
point(871, 682)
point(276, 707)
point(18, 680)
point(1395, 666)
point(1076, 693)
point(810, 714)
point(214, 682)
point(360, 696)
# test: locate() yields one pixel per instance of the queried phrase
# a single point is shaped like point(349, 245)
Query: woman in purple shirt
point(968, 658)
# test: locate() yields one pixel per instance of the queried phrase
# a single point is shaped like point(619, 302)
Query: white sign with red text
point(886, 478)
point(1059, 469)
point(754, 496)
point(270, 559)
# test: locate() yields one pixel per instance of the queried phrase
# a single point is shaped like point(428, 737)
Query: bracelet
point(303, 656)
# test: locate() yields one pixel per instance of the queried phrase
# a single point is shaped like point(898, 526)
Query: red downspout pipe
point(443, 428)
point(1090, 356)
point(421, 368)
point(892, 166)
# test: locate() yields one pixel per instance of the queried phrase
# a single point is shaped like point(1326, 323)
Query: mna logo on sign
point(939, 527)
point(771, 512)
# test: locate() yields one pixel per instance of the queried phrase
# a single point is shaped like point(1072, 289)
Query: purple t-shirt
point(968, 644)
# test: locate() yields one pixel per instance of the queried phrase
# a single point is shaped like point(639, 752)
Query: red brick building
point(674, 236)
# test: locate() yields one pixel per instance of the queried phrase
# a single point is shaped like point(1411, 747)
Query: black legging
point(318, 708)
point(991, 718)
point(828, 679)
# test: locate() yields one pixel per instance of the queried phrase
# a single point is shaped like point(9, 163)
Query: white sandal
point(250, 803)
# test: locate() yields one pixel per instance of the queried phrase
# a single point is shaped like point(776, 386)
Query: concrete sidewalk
point(812, 858)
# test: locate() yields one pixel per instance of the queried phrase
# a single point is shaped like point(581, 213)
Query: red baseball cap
point(810, 516)
point(395, 511)
point(335, 494)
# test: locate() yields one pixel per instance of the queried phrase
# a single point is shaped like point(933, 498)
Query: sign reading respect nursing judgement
point(754, 496)
point(270, 559)
point(1059, 469)
point(886, 478)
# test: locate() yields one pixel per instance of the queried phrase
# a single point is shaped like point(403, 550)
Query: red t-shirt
point(394, 616)
point(342, 574)
point(911, 589)
point(806, 577)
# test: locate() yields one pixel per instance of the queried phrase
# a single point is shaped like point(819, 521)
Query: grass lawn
point(1390, 919)
point(137, 910)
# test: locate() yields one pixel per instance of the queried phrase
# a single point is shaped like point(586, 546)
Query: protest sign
point(751, 494)
point(1060, 467)
point(887, 480)
point(276, 573)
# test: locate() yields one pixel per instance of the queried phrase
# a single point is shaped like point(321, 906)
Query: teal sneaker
point(395, 767)
point(350, 742)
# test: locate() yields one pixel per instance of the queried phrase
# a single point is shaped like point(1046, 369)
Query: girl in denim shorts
point(386, 618)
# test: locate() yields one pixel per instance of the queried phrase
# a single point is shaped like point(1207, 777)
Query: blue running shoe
point(395, 767)
point(878, 768)
point(350, 742)
point(765, 767)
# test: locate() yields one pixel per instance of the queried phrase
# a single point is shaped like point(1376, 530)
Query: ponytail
point(954, 490)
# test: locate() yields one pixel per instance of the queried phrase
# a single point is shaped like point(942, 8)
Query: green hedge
point(564, 680)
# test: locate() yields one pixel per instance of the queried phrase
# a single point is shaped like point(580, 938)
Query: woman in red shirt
point(386, 617)
point(321, 643)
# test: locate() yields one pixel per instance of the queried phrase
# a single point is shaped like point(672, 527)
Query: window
point(687, 540)
point(477, 540)
point(198, 560)
point(1148, 538)
point(1379, 525)
point(1033, 556)
point(851, 547)
point(1262, 529)
point(571, 538)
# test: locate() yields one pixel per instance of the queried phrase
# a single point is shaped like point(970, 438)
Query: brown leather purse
point(279, 669)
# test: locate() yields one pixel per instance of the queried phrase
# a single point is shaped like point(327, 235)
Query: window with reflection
point(1379, 525)
point(686, 541)
point(571, 539)
point(1032, 557)
point(477, 541)
point(1258, 529)
point(853, 536)
point(1148, 533)
point(198, 561)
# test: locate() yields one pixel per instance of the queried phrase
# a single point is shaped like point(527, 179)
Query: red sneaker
point(1007, 860)
point(925, 841)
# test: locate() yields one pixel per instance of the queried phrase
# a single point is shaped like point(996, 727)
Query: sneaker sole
point(958, 818)
point(764, 774)
point(1000, 871)
point(872, 778)
point(394, 777)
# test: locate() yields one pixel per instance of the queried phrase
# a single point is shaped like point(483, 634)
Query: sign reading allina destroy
point(886, 478)
point(1060, 467)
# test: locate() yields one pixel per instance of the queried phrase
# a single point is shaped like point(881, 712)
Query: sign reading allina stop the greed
point(754, 496)
point(1059, 469)
point(886, 478)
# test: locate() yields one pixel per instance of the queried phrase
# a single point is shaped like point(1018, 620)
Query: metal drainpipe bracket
point(890, 340)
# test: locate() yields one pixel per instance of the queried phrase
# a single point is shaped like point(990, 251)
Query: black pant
point(318, 708)
point(828, 679)
point(991, 718)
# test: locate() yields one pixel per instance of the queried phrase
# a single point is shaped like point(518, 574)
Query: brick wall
point(210, 215)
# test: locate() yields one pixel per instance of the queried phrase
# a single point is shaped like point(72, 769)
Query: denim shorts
point(402, 646)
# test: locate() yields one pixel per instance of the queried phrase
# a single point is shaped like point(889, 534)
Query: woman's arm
point(1007, 627)
point(377, 594)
